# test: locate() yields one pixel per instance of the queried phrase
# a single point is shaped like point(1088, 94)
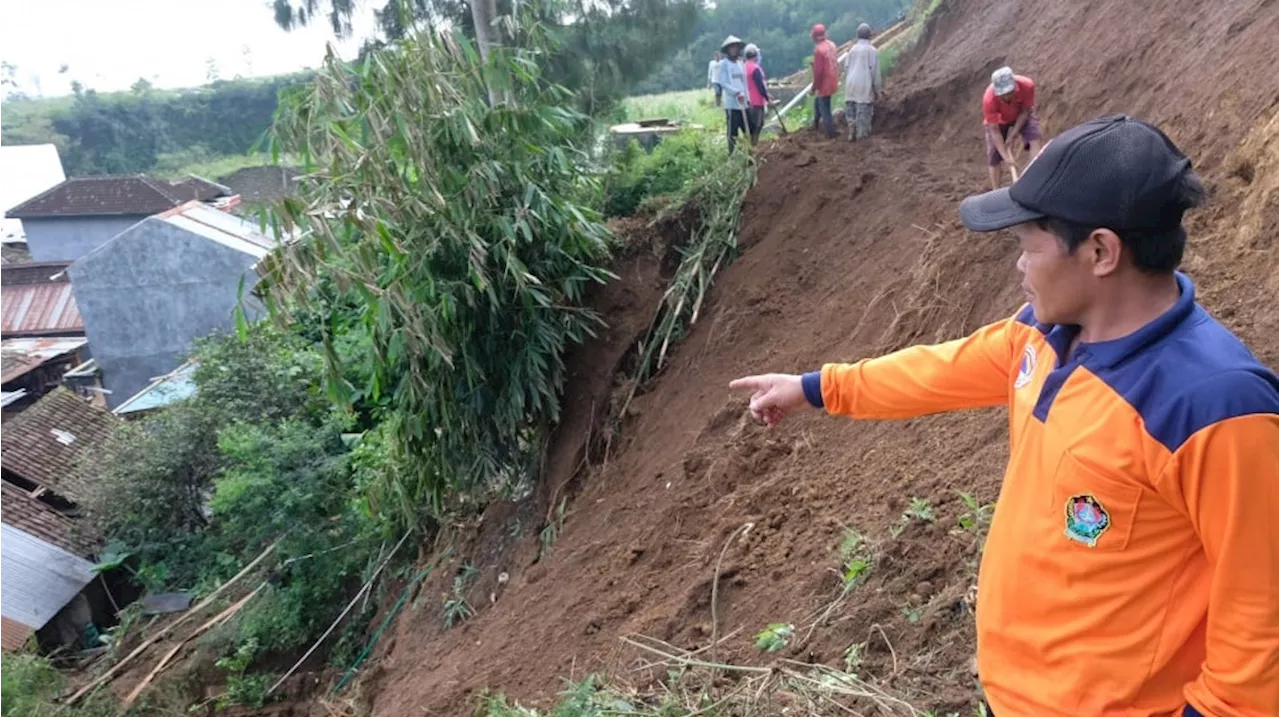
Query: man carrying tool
point(862, 84)
point(733, 80)
point(1008, 111)
point(825, 79)
point(1130, 565)
point(757, 92)
point(713, 76)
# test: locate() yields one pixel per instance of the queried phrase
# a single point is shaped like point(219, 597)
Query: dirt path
point(851, 251)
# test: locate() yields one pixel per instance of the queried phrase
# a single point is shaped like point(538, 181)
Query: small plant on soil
point(855, 559)
point(913, 613)
point(549, 534)
point(976, 517)
point(853, 657)
point(242, 689)
point(456, 607)
point(774, 637)
point(920, 509)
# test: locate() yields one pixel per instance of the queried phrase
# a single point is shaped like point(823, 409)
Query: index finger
point(747, 382)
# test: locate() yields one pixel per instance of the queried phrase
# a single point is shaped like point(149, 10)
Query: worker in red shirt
point(825, 79)
point(1009, 110)
point(1130, 569)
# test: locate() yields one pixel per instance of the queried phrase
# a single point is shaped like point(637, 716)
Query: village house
point(47, 582)
point(149, 293)
point(70, 220)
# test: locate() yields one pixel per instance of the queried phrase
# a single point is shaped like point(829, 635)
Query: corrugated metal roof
point(48, 442)
point(226, 229)
point(174, 386)
point(39, 578)
point(33, 303)
point(20, 355)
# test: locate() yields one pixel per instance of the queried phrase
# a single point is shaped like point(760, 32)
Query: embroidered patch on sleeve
point(1026, 368)
point(1087, 520)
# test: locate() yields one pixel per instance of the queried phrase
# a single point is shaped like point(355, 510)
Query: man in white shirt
point(862, 84)
point(713, 76)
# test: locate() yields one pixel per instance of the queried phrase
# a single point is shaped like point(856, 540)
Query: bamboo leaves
point(451, 226)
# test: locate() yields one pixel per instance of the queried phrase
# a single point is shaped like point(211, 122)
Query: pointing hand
point(774, 395)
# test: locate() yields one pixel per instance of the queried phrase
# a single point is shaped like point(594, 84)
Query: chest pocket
point(1095, 511)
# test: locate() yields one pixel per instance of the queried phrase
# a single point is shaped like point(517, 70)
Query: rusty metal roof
point(47, 443)
point(20, 355)
point(33, 303)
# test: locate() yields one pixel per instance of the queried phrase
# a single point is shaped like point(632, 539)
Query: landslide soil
point(848, 251)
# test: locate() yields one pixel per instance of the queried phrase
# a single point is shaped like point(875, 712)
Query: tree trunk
point(483, 13)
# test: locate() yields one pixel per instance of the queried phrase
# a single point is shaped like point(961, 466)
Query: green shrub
point(29, 685)
point(674, 162)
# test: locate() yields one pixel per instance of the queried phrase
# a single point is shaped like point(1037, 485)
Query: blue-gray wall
point(69, 238)
point(147, 296)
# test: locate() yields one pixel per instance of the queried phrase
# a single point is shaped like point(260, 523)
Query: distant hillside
point(147, 130)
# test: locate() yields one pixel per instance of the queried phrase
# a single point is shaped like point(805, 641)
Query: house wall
point(36, 579)
point(148, 295)
point(69, 238)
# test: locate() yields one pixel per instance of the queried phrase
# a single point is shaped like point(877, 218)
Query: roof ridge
point(152, 183)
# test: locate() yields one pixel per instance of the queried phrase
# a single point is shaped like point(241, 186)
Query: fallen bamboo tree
point(146, 644)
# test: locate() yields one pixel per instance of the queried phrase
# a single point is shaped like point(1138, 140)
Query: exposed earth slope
point(848, 251)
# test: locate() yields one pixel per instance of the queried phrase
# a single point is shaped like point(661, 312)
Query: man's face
point(819, 37)
point(1006, 97)
point(733, 51)
point(1057, 284)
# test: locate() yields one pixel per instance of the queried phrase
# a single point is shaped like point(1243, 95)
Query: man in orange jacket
point(1131, 564)
point(825, 79)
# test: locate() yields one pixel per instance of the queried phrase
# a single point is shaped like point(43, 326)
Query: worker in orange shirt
point(826, 79)
point(1131, 564)
point(1009, 115)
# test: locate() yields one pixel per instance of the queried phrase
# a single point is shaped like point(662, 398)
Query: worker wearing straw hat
point(733, 78)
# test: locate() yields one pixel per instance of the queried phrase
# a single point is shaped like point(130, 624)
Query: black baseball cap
point(1115, 172)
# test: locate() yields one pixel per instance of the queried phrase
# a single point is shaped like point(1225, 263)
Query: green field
point(689, 106)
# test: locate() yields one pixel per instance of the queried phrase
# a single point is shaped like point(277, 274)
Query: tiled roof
point(19, 509)
point(95, 196)
point(257, 185)
point(45, 443)
point(199, 188)
point(13, 635)
point(32, 303)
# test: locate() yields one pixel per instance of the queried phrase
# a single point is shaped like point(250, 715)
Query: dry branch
point(116, 668)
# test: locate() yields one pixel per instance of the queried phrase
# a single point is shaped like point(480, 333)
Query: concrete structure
point(81, 214)
point(149, 293)
point(25, 171)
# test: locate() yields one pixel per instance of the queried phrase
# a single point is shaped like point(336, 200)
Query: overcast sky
point(109, 44)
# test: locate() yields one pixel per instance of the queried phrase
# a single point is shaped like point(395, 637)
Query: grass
point(177, 167)
point(688, 106)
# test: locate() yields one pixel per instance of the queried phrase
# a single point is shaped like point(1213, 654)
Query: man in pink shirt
point(826, 79)
point(1008, 111)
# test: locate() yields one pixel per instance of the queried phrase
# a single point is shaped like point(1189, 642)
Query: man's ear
point(1104, 251)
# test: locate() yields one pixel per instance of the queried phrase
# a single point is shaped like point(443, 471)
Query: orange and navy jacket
point(1131, 564)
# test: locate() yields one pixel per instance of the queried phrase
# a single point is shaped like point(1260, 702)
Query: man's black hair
point(1154, 251)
